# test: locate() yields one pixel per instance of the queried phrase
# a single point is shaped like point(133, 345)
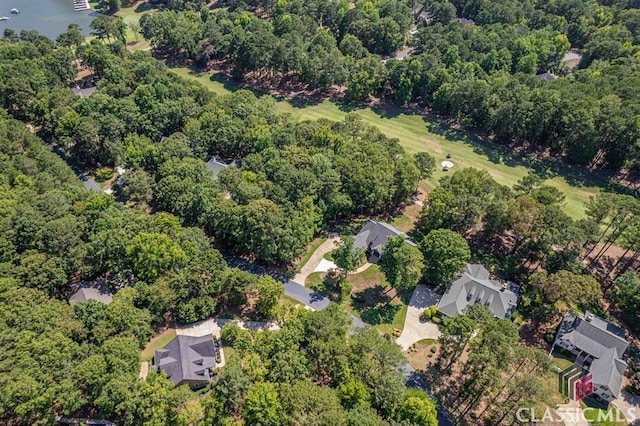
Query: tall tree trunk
point(613, 268)
point(603, 234)
point(617, 231)
point(630, 262)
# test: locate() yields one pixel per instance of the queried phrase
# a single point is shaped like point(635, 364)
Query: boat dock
point(81, 5)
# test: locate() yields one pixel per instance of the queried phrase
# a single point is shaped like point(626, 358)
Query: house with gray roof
point(84, 92)
point(91, 290)
point(216, 165)
point(546, 76)
point(373, 236)
point(475, 286)
point(599, 348)
point(465, 21)
point(187, 360)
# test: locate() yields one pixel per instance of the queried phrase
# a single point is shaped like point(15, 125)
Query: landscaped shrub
point(433, 350)
point(433, 309)
point(104, 173)
point(436, 320)
point(229, 333)
point(426, 314)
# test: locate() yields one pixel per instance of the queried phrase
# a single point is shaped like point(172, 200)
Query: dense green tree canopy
point(445, 254)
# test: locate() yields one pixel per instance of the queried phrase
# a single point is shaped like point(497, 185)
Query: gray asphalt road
point(318, 302)
point(89, 183)
point(415, 381)
point(305, 296)
point(86, 181)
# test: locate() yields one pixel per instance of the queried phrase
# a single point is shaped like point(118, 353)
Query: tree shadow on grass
point(227, 82)
point(386, 111)
point(382, 314)
point(374, 305)
point(300, 102)
point(503, 154)
point(144, 7)
point(328, 287)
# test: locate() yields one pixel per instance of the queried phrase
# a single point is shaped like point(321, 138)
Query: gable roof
point(547, 76)
point(84, 92)
point(187, 358)
point(374, 235)
point(592, 334)
point(608, 371)
point(216, 165)
point(600, 339)
point(91, 290)
point(474, 286)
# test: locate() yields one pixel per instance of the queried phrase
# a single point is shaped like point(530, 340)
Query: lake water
point(48, 17)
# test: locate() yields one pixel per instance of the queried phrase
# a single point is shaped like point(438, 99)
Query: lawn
point(406, 221)
point(375, 302)
point(310, 250)
point(288, 301)
point(396, 323)
point(598, 415)
point(157, 342)
point(560, 360)
point(313, 280)
point(420, 133)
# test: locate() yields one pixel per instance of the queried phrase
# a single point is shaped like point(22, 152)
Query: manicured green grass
point(313, 280)
point(372, 273)
point(397, 323)
point(598, 415)
point(372, 303)
point(287, 301)
point(560, 361)
point(418, 133)
point(218, 83)
point(310, 250)
point(157, 343)
point(328, 256)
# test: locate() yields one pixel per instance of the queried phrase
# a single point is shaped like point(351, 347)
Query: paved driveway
point(292, 289)
point(571, 414)
point(316, 259)
point(317, 302)
point(88, 183)
point(414, 328)
point(629, 404)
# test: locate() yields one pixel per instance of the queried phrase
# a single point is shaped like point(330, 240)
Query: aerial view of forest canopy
point(140, 209)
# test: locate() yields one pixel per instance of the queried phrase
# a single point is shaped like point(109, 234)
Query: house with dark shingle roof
point(475, 286)
point(373, 236)
point(599, 347)
point(91, 290)
point(187, 360)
